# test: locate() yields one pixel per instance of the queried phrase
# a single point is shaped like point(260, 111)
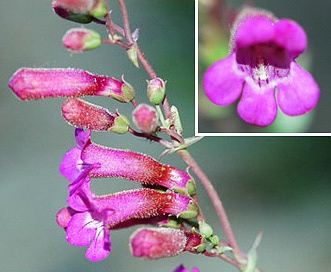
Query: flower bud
point(76, 6)
point(82, 114)
point(80, 11)
point(81, 39)
point(156, 90)
point(145, 118)
point(156, 243)
point(74, 10)
point(39, 83)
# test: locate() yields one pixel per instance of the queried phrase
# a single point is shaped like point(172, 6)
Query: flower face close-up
point(261, 70)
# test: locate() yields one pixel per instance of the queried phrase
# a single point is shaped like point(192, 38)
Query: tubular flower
point(89, 218)
point(95, 161)
point(262, 57)
point(39, 83)
point(82, 114)
point(155, 243)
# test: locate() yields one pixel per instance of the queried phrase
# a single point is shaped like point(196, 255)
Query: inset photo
point(261, 68)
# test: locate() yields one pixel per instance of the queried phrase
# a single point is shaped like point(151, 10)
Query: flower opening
point(262, 59)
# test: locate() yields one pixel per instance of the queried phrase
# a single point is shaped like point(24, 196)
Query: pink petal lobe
point(100, 246)
point(81, 229)
point(257, 106)
point(299, 93)
point(221, 84)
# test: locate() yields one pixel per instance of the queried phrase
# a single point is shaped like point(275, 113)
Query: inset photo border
point(259, 70)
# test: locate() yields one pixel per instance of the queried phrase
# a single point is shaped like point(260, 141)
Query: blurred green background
point(213, 45)
point(278, 185)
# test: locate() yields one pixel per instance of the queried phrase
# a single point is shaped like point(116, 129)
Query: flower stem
point(216, 201)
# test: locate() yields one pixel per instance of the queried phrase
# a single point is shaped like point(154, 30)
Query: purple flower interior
point(263, 62)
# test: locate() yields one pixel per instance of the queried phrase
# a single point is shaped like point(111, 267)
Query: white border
point(196, 99)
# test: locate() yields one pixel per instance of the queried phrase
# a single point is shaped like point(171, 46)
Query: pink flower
point(95, 161)
point(262, 59)
point(39, 83)
point(89, 218)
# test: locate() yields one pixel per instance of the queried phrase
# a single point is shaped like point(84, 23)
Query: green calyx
point(99, 10)
point(121, 124)
point(192, 211)
point(92, 40)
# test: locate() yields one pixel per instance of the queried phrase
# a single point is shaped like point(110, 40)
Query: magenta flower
point(95, 161)
point(38, 83)
point(262, 59)
point(89, 218)
point(181, 268)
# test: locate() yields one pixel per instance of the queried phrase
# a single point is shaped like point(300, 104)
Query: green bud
point(205, 229)
point(156, 90)
point(214, 239)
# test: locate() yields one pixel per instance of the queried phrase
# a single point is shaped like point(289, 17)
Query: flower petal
point(254, 30)
point(291, 36)
point(298, 93)
point(257, 105)
point(100, 246)
point(222, 83)
point(69, 166)
point(81, 229)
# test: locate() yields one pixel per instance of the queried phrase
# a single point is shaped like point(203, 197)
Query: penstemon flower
point(39, 83)
point(89, 218)
point(95, 161)
point(262, 59)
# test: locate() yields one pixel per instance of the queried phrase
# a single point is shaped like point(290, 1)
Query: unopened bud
point(82, 114)
point(156, 243)
point(81, 39)
point(156, 90)
point(205, 229)
point(145, 118)
point(74, 10)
